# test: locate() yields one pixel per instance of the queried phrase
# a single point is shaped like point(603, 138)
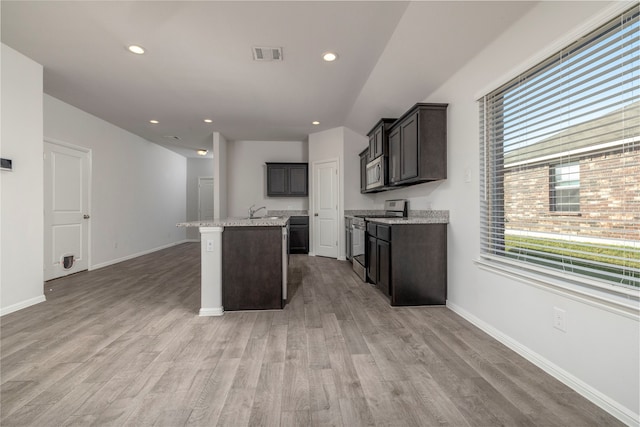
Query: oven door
point(375, 173)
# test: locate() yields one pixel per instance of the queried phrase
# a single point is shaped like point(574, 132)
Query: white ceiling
point(199, 61)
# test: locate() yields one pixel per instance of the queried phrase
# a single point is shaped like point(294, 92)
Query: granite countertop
point(281, 221)
point(353, 213)
point(288, 213)
point(415, 217)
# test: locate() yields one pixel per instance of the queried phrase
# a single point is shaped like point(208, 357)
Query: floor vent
point(267, 53)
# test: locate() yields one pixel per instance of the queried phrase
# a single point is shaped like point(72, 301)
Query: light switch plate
point(560, 319)
point(467, 175)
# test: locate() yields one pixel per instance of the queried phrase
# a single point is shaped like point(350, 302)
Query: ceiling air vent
point(267, 53)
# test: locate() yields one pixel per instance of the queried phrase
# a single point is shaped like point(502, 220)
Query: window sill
point(617, 299)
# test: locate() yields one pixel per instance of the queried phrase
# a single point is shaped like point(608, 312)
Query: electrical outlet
point(115, 245)
point(560, 319)
point(209, 245)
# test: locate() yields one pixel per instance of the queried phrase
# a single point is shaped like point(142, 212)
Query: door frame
point(89, 152)
point(312, 193)
point(200, 178)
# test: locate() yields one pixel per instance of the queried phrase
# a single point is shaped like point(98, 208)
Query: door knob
point(315, 214)
point(85, 216)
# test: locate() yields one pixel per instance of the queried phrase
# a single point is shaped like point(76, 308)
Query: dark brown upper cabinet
point(418, 145)
point(364, 159)
point(287, 179)
point(378, 138)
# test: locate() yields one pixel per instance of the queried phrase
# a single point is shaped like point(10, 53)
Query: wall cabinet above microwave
point(379, 139)
point(287, 179)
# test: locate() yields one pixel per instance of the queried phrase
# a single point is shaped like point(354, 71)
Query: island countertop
point(279, 221)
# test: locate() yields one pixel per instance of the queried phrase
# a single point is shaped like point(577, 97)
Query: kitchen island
point(243, 264)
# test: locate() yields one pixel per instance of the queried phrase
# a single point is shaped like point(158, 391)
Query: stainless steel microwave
point(376, 173)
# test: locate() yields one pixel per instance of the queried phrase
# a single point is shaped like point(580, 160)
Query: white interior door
point(66, 210)
point(205, 199)
point(325, 206)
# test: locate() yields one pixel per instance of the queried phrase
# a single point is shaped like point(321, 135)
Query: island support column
point(211, 271)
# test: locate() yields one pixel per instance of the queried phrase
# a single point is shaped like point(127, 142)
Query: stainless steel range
point(392, 209)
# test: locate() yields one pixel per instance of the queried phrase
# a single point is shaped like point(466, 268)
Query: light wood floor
point(123, 345)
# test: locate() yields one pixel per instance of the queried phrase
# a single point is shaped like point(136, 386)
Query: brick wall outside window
point(608, 182)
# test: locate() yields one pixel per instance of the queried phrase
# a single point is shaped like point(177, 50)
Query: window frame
point(556, 203)
point(618, 298)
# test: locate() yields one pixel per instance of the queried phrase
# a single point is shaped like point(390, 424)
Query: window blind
point(560, 160)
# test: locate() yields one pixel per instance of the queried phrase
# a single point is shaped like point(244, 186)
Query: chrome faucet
point(253, 211)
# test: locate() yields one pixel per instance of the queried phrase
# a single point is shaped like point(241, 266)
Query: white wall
point(599, 353)
point(138, 191)
point(21, 191)
point(247, 174)
point(196, 168)
point(220, 181)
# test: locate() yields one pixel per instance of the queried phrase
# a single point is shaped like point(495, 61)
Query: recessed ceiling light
point(329, 56)
point(208, 121)
point(155, 122)
point(202, 152)
point(138, 50)
point(315, 123)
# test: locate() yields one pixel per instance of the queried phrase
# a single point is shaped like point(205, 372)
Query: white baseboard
point(191, 241)
point(311, 254)
point(216, 311)
point(21, 305)
point(136, 255)
point(619, 411)
point(342, 258)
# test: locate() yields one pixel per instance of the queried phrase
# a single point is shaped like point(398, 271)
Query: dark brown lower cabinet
point(384, 266)
point(252, 268)
point(372, 259)
point(408, 262)
point(299, 235)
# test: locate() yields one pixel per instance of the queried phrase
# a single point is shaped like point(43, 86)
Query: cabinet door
point(377, 136)
point(277, 180)
point(372, 261)
point(372, 147)
point(384, 266)
point(409, 148)
point(299, 239)
point(298, 179)
point(394, 155)
point(363, 171)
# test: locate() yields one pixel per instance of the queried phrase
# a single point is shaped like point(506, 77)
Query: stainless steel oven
point(392, 209)
point(376, 173)
point(347, 237)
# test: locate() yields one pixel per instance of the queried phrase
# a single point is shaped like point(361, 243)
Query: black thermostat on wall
point(6, 164)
